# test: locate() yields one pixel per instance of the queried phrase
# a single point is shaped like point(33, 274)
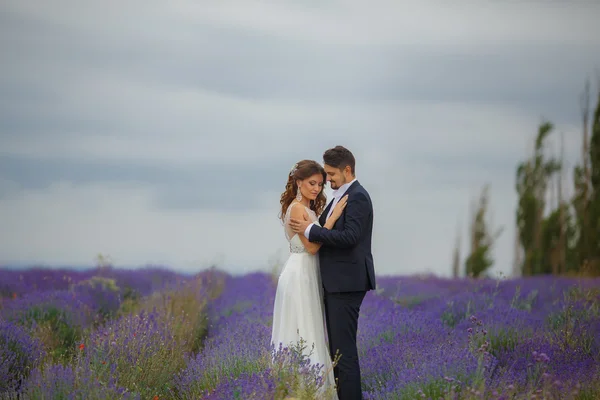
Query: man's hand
point(299, 226)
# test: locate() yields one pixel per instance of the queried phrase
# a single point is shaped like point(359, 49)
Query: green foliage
point(143, 363)
point(480, 260)
point(184, 309)
point(288, 368)
point(594, 229)
point(44, 385)
point(101, 282)
point(533, 176)
point(432, 389)
point(552, 228)
point(409, 301)
point(50, 325)
point(505, 339)
point(586, 198)
point(102, 290)
point(292, 382)
point(568, 327)
point(230, 367)
point(452, 315)
point(141, 352)
point(526, 303)
point(387, 336)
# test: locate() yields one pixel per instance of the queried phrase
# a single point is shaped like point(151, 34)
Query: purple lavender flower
point(57, 381)
point(19, 353)
point(418, 337)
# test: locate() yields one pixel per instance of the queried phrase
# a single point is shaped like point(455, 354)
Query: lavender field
point(154, 334)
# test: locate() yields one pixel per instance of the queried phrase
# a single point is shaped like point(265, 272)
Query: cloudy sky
point(162, 132)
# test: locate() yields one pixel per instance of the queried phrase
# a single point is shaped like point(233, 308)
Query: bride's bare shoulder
point(297, 210)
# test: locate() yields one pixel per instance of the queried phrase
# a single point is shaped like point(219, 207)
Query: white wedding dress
point(298, 310)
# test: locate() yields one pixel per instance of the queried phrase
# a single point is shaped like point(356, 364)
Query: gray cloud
point(238, 61)
point(225, 187)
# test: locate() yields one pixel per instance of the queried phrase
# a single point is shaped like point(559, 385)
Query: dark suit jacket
point(345, 256)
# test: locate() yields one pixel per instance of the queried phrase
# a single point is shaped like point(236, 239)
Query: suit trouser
point(342, 310)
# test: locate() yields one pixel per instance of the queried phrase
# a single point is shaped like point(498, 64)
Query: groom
point(346, 265)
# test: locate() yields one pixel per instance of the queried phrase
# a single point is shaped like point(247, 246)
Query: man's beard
point(337, 185)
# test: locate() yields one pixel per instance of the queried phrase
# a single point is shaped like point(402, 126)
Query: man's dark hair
point(339, 157)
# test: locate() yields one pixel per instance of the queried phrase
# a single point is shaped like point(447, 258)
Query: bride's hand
point(339, 207)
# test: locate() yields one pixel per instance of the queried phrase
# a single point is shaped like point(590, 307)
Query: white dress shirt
point(337, 195)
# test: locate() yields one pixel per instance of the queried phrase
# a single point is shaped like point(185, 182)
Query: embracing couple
point(330, 267)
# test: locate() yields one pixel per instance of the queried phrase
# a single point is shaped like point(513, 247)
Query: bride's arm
point(331, 221)
point(298, 212)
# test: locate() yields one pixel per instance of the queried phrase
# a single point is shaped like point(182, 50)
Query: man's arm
point(336, 213)
point(307, 231)
point(357, 214)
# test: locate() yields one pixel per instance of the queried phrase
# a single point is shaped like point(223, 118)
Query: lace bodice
point(296, 245)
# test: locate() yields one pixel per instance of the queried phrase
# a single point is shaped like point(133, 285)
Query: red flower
point(81, 346)
point(155, 398)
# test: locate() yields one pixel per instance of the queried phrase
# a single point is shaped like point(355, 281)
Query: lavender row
point(15, 283)
point(237, 360)
point(131, 354)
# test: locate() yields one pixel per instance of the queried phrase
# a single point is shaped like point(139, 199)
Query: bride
point(298, 311)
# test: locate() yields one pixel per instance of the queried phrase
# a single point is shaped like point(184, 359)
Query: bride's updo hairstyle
point(299, 172)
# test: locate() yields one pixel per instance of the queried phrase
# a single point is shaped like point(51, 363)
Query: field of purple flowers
point(154, 334)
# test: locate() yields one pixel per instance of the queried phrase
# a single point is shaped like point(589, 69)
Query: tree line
point(555, 234)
